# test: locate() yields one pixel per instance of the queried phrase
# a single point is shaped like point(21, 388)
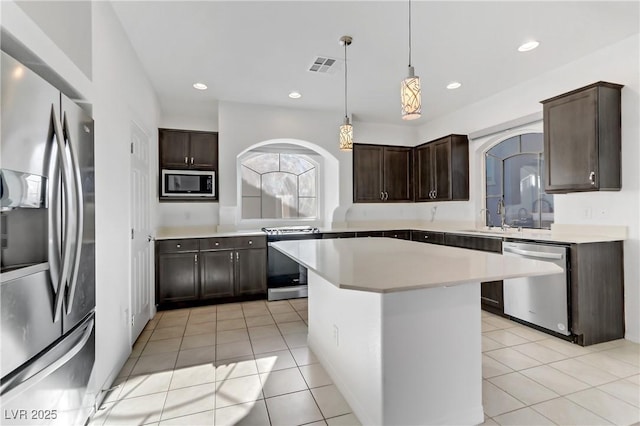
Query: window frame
point(315, 159)
point(540, 176)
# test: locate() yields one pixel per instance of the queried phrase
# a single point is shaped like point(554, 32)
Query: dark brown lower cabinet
point(251, 267)
point(216, 274)
point(177, 277)
point(491, 297)
point(597, 292)
point(211, 270)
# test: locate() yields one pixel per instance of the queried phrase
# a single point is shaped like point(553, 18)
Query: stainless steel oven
point(286, 279)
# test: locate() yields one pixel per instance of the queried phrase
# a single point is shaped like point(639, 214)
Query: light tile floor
point(248, 364)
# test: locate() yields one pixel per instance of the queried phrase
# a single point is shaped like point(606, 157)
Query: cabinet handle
point(217, 243)
point(237, 256)
point(386, 195)
point(592, 178)
point(231, 256)
point(195, 258)
point(426, 237)
point(191, 160)
point(250, 242)
point(178, 245)
point(186, 160)
point(381, 195)
point(435, 193)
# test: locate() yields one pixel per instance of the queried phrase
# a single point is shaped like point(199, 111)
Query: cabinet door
point(367, 173)
point(423, 173)
point(491, 296)
point(397, 174)
point(442, 170)
point(177, 277)
point(570, 143)
point(203, 151)
point(174, 149)
point(216, 273)
point(251, 271)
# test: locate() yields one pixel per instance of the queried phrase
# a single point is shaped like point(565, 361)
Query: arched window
point(279, 186)
point(514, 176)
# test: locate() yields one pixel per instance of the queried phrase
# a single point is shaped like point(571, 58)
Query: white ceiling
point(257, 52)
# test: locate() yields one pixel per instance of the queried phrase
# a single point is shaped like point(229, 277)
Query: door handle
point(528, 253)
point(79, 216)
point(66, 240)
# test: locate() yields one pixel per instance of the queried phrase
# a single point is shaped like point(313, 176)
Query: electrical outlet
point(336, 335)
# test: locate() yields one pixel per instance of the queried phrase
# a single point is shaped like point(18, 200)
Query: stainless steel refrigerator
point(47, 280)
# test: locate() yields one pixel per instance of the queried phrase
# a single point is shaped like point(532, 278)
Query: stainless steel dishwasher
point(543, 300)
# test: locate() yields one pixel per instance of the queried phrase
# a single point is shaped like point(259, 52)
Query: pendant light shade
point(346, 135)
point(410, 92)
point(411, 96)
point(346, 129)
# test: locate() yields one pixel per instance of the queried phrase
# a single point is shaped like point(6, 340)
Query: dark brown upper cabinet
point(442, 169)
point(184, 149)
point(382, 173)
point(582, 140)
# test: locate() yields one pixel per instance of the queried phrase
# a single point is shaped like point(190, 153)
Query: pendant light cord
point(345, 79)
point(409, 32)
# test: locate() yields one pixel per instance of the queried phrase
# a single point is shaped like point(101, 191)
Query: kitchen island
point(396, 324)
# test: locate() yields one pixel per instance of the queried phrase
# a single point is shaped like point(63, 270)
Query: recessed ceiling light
point(453, 85)
point(295, 95)
point(530, 45)
point(200, 86)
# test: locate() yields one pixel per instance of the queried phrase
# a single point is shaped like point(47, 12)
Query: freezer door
point(78, 135)
point(26, 110)
point(51, 390)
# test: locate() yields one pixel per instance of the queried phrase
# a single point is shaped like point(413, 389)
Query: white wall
point(68, 25)
point(243, 125)
point(618, 63)
point(122, 94)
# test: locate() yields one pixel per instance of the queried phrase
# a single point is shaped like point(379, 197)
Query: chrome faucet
point(487, 218)
point(502, 212)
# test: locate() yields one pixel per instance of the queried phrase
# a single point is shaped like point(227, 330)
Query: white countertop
point(384, 265)
point(576, 234)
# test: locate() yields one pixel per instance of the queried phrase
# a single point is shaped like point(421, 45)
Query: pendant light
point(410, 88)
point(346, 129)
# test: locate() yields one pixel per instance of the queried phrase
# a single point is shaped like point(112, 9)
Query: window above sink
point(514, 177)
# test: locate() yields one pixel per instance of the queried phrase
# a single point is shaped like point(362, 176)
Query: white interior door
point(141, 253)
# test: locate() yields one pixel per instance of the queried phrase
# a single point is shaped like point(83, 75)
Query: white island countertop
point(385, 265)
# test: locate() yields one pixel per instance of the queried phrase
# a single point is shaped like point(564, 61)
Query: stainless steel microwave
point(188, 183)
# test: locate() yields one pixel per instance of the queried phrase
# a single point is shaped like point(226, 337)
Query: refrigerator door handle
point(78, 217)
point(66, 241)
point(43, 367)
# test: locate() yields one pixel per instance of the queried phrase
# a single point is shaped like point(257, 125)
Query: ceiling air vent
point(323, 65)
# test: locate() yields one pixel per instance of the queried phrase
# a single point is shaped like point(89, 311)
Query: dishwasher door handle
point(539, 255)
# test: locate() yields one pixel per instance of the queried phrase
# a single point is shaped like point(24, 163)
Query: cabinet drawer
point(226, 243)
point(177, 246)
point(428, 237)
point(475, 243)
